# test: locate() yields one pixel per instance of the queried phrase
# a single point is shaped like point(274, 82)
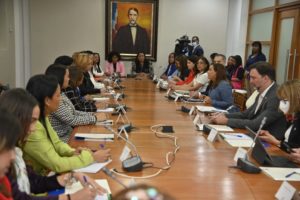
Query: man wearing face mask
point(197, 49)
point(262, 77)
point(289, 93)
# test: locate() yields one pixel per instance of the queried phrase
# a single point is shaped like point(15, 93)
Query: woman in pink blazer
point(114, 65)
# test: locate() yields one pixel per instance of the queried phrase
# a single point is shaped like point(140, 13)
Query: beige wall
point(63, 26)
point(7, 64)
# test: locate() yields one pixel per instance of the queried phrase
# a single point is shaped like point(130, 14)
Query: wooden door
point(287, 45)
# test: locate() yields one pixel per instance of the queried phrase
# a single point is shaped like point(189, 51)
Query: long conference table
point(200, 169)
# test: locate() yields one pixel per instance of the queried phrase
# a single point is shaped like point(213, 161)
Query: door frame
point(282, 13)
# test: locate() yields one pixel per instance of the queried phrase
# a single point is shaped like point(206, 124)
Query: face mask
point(284, 106)
point(194, 44)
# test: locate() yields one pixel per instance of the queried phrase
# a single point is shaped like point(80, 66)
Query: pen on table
point(85, 181)
point(239, 136)
point(102, 146)
point(290, 174)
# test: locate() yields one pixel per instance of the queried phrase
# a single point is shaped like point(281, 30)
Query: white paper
point(93, 168)
point(240, 153)
point(77, 186)
point(209, 109)
point(220, 127)
point(100, 99)
point(285, 192)
point(125, 153)
point(212, 135)
point(106, 110)
point(235, 136)
point(184, 93)
point(240, 143)
point(240, 91)
point(181, 95)
point(279, 173)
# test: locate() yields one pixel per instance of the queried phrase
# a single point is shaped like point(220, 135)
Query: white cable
point(169, 136)
point(168, 166)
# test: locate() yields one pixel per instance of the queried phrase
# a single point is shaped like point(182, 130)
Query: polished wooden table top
point(200, 170)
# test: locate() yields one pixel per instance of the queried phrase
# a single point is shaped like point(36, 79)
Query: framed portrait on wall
point(131, 27)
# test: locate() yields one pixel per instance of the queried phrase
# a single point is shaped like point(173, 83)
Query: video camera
point(182, 47)
point(3, 88)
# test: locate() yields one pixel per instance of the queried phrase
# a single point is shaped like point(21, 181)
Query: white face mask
point(194, 44)
point(284, 106)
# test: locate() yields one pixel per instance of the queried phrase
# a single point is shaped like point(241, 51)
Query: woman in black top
point(73, 91)
point(182, 69)
point(290, 106)
point(141, 64)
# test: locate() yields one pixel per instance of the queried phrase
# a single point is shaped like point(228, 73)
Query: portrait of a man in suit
point(131, 38)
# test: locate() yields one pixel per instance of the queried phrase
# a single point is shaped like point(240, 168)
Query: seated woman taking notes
point(219, 91)
point(289, 104)
point(43, 148)
point(66, 117)
point(24, 181)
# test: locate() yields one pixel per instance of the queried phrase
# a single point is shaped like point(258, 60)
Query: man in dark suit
point(262, 77)
point(196, 48)
point(132, 38)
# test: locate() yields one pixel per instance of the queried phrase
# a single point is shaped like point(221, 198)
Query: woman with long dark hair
point(141, 65)
point(25, 182)
point(200, 81)
point(66, 116)
point(237, 73)
point(182, 70)
point(219, 91)
point(43, 148)
point(97, 69)
point(10, 130)
point(171, 68)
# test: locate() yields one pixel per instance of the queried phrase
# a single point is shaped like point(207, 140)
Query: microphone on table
point(243, 163)
point(184, 108)
point(111, 175)
point(134, 163)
